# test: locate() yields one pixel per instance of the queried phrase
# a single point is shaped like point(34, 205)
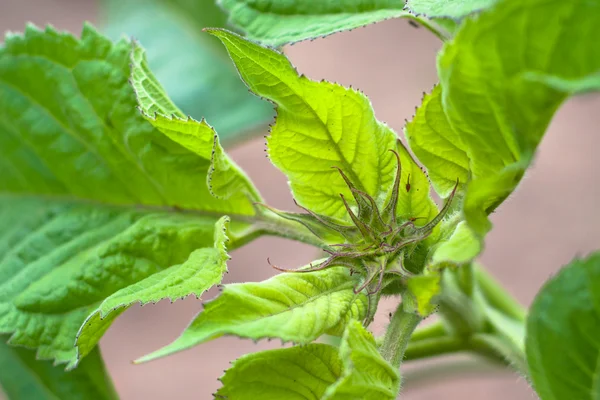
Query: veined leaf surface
point(321, 125)
point(296, 307)
point(93, 198)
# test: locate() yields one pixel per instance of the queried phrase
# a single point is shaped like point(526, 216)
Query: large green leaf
point(194, 69)
point(447, 9)
point(60, 261)
point(73, 132)
point(296, 373)
point(25, 378)
point(365, 373)
point(203, 269)
point(493, 105)
point(297, 307)
point(276, 23)
point(93, 198)
point(562, 344)
point(321, 125)
point(502, 78)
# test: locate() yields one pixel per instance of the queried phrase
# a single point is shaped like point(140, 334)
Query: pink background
point(551, 219)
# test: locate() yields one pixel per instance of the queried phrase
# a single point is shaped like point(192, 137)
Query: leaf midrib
point(129, 206)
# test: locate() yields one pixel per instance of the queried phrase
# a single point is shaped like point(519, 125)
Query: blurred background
point(548, 221)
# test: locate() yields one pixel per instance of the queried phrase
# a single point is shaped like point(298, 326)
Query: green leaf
point(93, 198)
point(224, 178)
point(483, 123)
point(490, 100)
point(424, 289)
point(461, 247)
point(74, 132)
point(203, 269)
point(276, 23)
point(297, 307)
point(296, 373)
point(315, 371)
point(437, 146)
point(447, 9)
point(321, 125)
point(562, 344)
point(365, 374)
point(25, 378)
point(194, 69)
point(414, 198)
point(60, 261)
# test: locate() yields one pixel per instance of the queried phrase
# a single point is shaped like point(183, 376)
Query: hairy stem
point(433, 347)
point(398, 333)
point(497, 296)
point(433, 330)
point(447, 369)
point(274, 225)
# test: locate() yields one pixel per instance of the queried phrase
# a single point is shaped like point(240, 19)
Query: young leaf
point(414, 198)
point(365, 374)
point(562, 343)
point(437, 146)
point(296, 373)
point(24, 377)
point(321, 125)
point(276, 23)
point(194, 69)
point(225, 179)
point(461, 247)
point(424, 289)
point(297, 307)
point(93, 198)
point(447, 9)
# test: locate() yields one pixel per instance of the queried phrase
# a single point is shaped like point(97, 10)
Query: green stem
point(512, 355)
point(461, 315)
point(274, 225)
point(451, 344)
point(497, 296)
point(447, 369)
point(433, 330)
point(433, 347)
point(398, 333)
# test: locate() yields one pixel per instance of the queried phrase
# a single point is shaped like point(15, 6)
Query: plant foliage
point(111, 195)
